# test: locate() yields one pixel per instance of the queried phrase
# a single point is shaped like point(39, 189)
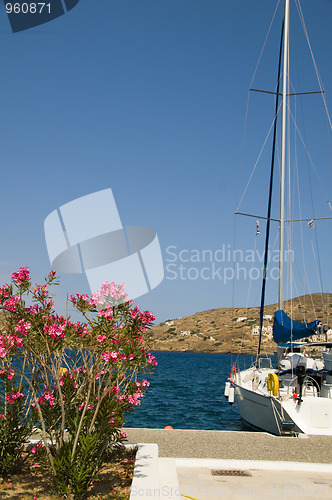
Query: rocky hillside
point(218, 330)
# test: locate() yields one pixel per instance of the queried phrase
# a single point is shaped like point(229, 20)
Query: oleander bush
point(69, 382)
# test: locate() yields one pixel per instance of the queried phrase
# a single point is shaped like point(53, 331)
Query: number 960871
point(28, 8)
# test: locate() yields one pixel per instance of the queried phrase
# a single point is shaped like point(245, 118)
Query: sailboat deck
point(257, 380)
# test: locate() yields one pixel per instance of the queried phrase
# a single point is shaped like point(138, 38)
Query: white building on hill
point(266, 330)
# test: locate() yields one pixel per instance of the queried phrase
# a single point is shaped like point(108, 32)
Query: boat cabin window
point(264, 363)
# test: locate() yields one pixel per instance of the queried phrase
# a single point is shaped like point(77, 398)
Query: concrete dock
point(235, 445)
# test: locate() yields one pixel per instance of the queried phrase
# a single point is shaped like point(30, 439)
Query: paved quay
point(214, 465)
point(235, 445)
point(199, 484)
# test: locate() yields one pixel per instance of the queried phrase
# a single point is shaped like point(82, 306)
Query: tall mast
point(269, 206)
point(283, 154)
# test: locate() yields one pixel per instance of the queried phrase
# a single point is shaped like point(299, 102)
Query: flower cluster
point(55, 330)
point(8, 343)
point(152, 360)
point(9, 374)
point(12, 303)
point(48, 396)
point(12, 398)
point(21, 276)
point(78, 296)
point(109, 295)
point(145, 317)
point(134, 399)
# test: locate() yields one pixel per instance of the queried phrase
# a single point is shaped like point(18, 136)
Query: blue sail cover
point(286, 329)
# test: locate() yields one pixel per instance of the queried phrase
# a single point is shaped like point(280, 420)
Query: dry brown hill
point(217, 330)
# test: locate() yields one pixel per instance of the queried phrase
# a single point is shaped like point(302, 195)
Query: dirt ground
point(34, 483)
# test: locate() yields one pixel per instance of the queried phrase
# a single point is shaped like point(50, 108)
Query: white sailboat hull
point(257, 410)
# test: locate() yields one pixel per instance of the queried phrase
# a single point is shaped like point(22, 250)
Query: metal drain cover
point(223, 472)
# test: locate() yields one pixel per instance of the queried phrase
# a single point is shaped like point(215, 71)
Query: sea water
point(187, 392)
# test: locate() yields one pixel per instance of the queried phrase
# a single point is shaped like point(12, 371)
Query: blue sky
point(147, 98)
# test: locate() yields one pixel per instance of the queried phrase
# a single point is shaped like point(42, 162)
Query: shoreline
point(192, 351)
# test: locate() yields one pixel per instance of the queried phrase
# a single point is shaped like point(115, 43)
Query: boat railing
point(310, 386)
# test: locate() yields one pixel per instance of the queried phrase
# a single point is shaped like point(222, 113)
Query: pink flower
point(19, 342)
point(49, 303)
point(34, 450)
point(34, 309)
point(23, 327)
point(73, 299)
point(101, 338)
point(110, 355)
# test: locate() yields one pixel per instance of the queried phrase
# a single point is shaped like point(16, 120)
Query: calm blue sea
point(187, 392)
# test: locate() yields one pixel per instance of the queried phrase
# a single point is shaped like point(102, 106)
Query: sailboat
point(291, 394)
